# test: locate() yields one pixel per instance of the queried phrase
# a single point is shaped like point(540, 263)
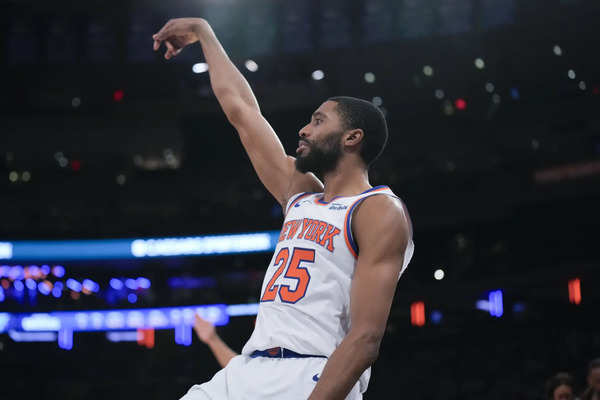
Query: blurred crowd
point(562, 386)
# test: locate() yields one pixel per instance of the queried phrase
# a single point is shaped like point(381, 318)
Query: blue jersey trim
point(321, 201)
point(351, 211)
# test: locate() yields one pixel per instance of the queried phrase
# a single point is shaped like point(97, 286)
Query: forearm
point(345, 366)
point(227, 82)
point(221, 351)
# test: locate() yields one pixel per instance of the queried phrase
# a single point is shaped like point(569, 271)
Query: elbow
point(369, 341)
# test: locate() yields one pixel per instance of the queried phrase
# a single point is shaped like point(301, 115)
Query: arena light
point(146, 338)
point(439, 274)
point(65, 339)
point(32, 336)
point(183, 335)
point(74, 285)
point(121, 179)
point(4, 319)
point(116, 284)
point(251, 65)
point(369, 77)
point(318, 75)
point(131, 284)
point(40, 322)
point(436, 317)
point(44, 288)
point(138, 248)
point(30, 284)
point(460, 104)
point(58, 271)
point(557, 50)
point(18, 285)
point(118, 95)
point(496, 307)
point(199, 68)
point(224, 244)
point(575, 291)
point(242, 309)
point(417, 313)
point(143, 283)
point(122, 336)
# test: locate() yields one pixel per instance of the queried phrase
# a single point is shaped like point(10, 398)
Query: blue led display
point(136, 248)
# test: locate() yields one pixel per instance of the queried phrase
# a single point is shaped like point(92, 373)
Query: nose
point(304, 131)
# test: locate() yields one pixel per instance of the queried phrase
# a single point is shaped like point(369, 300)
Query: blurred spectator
point(207, 333)
point(560, 387)
point(593, 381)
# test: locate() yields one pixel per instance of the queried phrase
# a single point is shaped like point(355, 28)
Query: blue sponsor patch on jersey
point(337, 206)
point(316, 378)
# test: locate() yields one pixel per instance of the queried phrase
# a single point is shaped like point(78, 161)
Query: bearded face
point(320, 157)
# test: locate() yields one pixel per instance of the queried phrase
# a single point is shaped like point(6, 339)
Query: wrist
point(212, 340)
point(200, 27)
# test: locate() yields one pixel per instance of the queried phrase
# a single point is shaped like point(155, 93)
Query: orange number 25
point(293, 271)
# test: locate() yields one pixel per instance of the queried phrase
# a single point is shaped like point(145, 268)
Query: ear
point(354, 137)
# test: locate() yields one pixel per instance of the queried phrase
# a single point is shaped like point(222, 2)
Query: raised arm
point(274, 167)
point(382, 233)
point(207, 334)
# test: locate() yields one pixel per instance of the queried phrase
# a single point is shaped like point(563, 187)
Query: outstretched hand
point(176, 34)
point(204, 329)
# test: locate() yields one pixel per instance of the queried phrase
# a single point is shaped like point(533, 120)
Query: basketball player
point(328, 291)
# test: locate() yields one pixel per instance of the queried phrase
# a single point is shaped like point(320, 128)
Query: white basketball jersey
point(305, 297)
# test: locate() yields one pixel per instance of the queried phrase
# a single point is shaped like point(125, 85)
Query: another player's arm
point(206, 333)
point(381, 232)
point(274, 167)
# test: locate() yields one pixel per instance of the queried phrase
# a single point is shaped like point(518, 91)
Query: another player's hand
point(204, 329)
point(176, 34)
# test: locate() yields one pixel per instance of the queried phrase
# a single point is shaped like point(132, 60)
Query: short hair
point(562, 378)
point(595, 363)
point(361, 114)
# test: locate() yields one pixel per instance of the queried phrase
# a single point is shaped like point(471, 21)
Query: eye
point(318, 121)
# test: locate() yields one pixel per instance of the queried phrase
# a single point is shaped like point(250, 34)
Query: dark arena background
point(122, 182)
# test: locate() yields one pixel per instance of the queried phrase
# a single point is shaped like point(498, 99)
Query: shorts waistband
point(280, 352)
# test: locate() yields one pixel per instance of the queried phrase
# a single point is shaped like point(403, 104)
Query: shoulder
point(382, 219)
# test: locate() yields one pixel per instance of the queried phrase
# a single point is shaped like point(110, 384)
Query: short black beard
point(322, 158)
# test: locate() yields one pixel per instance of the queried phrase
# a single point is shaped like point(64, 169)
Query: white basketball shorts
point(264, 378)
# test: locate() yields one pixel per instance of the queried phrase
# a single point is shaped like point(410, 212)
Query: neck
point(348, 179)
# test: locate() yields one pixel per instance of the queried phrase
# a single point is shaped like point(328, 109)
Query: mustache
point(304, 142)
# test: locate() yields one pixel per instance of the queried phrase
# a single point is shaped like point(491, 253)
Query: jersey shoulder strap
point(377, 190)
